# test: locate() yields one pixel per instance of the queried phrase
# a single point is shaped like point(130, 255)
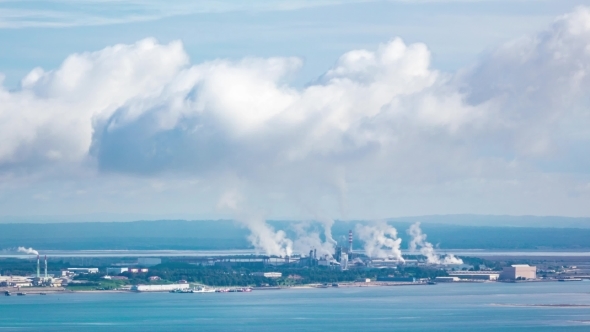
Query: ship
point(240, 290)
point(178, 290)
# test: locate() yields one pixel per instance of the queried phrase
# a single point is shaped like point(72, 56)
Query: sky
point(120, 110)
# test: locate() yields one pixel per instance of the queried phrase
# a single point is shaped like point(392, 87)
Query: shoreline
point(49, 291)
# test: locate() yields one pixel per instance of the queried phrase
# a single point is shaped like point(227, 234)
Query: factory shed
point(116, 270)
point(397, 279)
point(476, 275)
point(519, 272)
point(158, 288)
point(267, 274)
point(87, 270)
point(446, 279)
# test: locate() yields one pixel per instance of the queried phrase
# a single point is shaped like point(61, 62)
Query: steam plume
point(426, 248)
point(308, 239)
point(29, 251)
point(262, 236)
point(380, 240)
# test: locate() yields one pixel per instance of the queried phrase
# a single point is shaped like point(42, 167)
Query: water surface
point(442, 307)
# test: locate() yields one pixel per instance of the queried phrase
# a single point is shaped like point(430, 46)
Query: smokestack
point(38, 270)
point(45, 266)
point(350, 241)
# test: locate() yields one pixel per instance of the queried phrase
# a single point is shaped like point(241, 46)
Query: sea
point(532, 306)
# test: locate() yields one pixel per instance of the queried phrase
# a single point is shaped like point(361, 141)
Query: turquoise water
point(442, 307)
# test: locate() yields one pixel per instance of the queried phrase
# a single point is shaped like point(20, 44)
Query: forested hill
point(223, 234)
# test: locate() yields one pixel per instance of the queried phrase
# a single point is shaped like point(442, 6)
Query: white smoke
point(328, 223)
point(307, 239)
point(29, 251)
point(262, 236)
point(426, 248)
point(380, 240)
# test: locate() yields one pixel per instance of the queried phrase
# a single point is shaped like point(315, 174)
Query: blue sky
point(293, 109)
point(455, 31)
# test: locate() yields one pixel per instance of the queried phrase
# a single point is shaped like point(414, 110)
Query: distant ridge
point(450, 219)
point(227, 234)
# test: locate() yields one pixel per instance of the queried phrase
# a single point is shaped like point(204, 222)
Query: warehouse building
point(519, 272)
point(396, 279)
point(446, 279)
point(116, 270)
point(159, 288)
point(267, 274)
point(476, 275)
point(87, 270)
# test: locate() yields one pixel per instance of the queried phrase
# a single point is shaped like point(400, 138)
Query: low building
point(88, 270)
point(267, 274)
point(116, 270)
point(154, 278)
point(397, 279)
point(119, 278)
point(446, 279)
point(67, 274)
point(158, 288)
point(329, 261)
point(148, 261)
point(519, 272)
point(476, 275)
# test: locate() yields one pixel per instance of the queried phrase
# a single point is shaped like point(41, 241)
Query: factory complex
point(318, 268)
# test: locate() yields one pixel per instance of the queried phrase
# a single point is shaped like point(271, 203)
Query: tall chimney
point(45, 266)
point(38, 270)
point(350, 241)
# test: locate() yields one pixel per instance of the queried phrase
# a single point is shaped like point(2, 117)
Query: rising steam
point(29, 251)
point(309, 239)
point(426, 248)
point(380, 240)
point(262, 236)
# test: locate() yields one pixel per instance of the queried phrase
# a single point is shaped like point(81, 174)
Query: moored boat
point(203, 290)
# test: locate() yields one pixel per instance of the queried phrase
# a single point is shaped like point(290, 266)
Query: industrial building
point(476, 275)
point(446, 279)
point(87, 270)
point(119, 270)
point(116, 270)
point(148, 261)
point(519, 272)
point(397, 279)
point(267, 274)
point(15, 281)
point(159, 288)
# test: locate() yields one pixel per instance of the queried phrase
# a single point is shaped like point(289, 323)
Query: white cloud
point(378, 121)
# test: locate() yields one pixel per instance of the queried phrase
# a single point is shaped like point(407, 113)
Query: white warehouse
point(158, 288)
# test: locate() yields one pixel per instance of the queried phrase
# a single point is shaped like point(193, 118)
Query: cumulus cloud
point(378, 120)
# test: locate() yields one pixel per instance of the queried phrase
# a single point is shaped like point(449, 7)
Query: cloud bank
point(380, 120)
